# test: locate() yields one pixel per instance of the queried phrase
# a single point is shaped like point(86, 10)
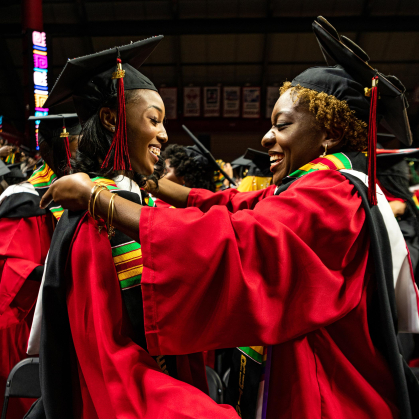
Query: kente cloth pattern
point(127, 255)
point(10, 159)
point(337, 161)
point(247, 376)
point(41, 179)
point(415, 199)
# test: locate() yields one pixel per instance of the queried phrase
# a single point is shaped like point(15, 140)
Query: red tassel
point(119, 142)
point(372, 144)
point(64, 135)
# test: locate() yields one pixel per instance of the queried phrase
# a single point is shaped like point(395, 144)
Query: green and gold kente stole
point(247, 375)
point(337, 161)
point(128, 260)
point(41, 180)
point(10, 159)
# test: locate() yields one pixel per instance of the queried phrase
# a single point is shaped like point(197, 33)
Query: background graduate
point(26, 232)
point(304, 267)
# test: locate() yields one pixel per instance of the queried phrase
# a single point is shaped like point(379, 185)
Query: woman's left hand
point(71, 192)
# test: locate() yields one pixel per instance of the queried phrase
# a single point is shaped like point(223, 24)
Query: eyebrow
point(280, 113)
point(155, 107)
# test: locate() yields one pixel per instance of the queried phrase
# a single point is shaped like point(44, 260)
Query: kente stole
point(128, 261)
point(41, 179)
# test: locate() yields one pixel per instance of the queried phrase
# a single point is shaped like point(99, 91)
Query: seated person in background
point(25, 237)
point(187, 166)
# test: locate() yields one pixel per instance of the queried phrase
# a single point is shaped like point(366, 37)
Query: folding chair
point(215, 385)
point(23, 382)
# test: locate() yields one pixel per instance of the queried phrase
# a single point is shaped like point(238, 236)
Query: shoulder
point(20, 201)
point(322, 179)
point(324, 193)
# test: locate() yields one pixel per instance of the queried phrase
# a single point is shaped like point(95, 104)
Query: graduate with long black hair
point(93, 358)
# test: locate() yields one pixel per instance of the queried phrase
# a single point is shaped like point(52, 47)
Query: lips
point(154, 151)
point(276, 159)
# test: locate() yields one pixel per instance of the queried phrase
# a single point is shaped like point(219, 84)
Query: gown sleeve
point(230, 198)
point(24, 245)
point(217, 279)
point(119, 379)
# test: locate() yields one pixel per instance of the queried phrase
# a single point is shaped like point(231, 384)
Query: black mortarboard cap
point(392, 104)
point(194, 152)
point(51, 126)
point(256, 161)
point(240, 162)
point(89, 78)
point(260, 163)
point(336, 81)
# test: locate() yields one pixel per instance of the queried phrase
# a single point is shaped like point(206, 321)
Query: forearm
point(172, 193)
point(126, 216)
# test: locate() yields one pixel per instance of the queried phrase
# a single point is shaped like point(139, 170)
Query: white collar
point(127, 184)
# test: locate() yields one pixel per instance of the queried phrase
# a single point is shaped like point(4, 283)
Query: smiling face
point(146, 133)
point(294, 139)
point(145, 130)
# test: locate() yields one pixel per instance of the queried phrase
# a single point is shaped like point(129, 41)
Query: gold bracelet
point(111, 207)
point(89, 206)
point(99, 190)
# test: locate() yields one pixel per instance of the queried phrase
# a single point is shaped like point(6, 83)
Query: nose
point(162, 136)
point(269, 140)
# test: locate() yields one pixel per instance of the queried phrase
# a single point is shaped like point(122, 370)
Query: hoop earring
point(325, 151)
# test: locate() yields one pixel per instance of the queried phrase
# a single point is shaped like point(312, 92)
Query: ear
point(108, 118)
point(333, 139)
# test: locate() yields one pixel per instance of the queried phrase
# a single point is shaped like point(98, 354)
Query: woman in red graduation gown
point(93, 360)
point(294, 267)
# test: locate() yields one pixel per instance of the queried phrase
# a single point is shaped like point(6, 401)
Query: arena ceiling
point(209, 42)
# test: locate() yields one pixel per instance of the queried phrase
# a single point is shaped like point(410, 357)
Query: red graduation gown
point(291, 271)
point(117, 378)
point(24, 245)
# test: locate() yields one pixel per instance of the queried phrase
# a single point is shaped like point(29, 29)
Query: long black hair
point(96, 141)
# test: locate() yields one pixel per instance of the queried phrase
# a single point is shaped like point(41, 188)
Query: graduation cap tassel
point(119, 142)
point(65, 135)
point(372, 142)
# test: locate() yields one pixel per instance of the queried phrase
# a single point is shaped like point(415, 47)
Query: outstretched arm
point(73, 193)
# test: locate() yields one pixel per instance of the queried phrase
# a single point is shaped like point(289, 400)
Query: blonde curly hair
point(332, 113)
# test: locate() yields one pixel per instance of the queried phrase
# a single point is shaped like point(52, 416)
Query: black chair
point(226, 377)
point(215, 386)
point(23, 382)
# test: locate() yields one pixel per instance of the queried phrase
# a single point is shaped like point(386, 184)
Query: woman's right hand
point(71, 192)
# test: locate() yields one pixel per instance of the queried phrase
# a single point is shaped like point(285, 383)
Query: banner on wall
point(211, 101)
point(272, 95)
point(169, 96)
point(251, 102)
point(191, 101)
point(231, 102)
